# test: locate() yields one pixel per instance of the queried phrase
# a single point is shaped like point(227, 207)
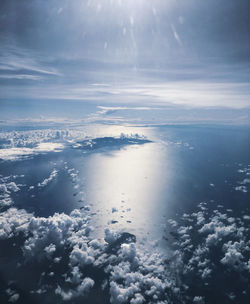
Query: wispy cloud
point(17, 63)
point(21, 76)
point(185, 93)
point(176, 36)
point(126, 55)
point(110, 110)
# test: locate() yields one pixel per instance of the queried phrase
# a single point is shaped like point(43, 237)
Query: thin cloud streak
point(20, 64)
point(188, 93)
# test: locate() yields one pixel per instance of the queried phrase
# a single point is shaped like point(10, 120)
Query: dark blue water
point(132, 186)
point(181, 167)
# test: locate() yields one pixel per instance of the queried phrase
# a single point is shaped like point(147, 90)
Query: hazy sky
point(191, 52)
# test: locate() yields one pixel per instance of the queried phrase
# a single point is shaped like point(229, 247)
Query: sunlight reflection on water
point(126, 187)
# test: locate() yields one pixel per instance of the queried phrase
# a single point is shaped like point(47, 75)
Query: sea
point(160, 214)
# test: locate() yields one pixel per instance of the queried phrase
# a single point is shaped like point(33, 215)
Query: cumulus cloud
point(198, 300)
point(216, 243)
point(245, 181)
point(132, 272)
point(50, 249)
point(241, 188)
point(244, 184)
point(46, 181)
point(81, 290)
point(6, 189)
point(17, 153)
point(24, 144)
point(234, 255)
point(13, 296)
point(14, 221)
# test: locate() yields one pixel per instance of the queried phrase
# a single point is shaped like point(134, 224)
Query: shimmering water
point(132, 184)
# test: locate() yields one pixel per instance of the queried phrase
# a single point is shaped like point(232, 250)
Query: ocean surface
point(125, 214)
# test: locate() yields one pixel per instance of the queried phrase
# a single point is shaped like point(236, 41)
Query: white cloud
point(46, 181)
point(80, 255)
point(138, 299)
point(17, 153)
point(245, 181)
point(246, 217)
point(198, 300)
point(13, 221)
point(12, 187)
point(220, 244)
point(50, 249)
point(13, 296)
point(136, 273)
point(241, 188)
point(234, 255)
point(21, 77)
point(142, 272)
point(81, 290)
point(23, 65)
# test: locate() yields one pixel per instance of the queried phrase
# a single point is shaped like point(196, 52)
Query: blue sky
point(122, 52)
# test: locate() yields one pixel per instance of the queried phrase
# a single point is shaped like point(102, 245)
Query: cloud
point(143, 57)
point(13, 221)
point(241, 189)
point(13, 296)
point(5, 193)
point(198, 300)
point(245, 181)
point(56, 78)
point(143, 273)
point(176, 36)
point(233, 255)
point(25, 144)
point(216, 243)
point(19, 63)
point(135, 272)
point(19, 153)
point(81, 290)
point(46, 181)
point(21, 144)
point(21, 77)
point(105, 110)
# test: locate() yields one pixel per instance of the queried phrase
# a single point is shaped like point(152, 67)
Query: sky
point(190, 53)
